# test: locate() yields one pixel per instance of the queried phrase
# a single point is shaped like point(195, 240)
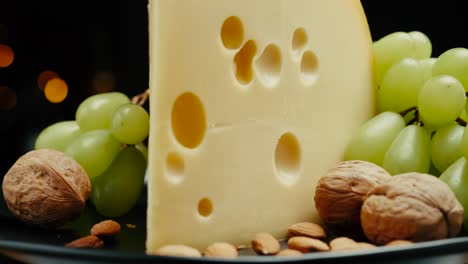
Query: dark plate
point(35, 245)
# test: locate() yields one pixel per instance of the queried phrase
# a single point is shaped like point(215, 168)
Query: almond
point(343, 243)
point(265, 244)
point(177, 250)
point(86, 242)
point(364, 245)
point(106, 229)
point(289, 252)
point(307, 244)
point(221, 250)
point(307, 229)
point(399, 243)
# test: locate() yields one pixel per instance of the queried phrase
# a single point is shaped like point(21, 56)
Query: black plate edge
point(417, 250)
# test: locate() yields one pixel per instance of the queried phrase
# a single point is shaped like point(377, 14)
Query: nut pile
point(410, 206)
point(99, 233)
point(305, 237)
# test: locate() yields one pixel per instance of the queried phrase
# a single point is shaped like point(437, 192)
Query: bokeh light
point(103, 82)
point(7, 98)
point(6, 56)
point(56, 90)
point(45, 77)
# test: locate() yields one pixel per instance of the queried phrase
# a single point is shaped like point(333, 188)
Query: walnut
point(411, 206)
point(340, 193)
point(46, 187)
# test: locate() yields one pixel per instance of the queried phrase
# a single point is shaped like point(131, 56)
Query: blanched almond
point(265, 244)
point(307, 229)
point(221, 250)
point(177, 250)
point(343, 243)
point(289, 252)
point(399, 242)
point(307, 244)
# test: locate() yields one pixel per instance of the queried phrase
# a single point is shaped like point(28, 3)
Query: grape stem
point(140, 99)
point(415, 119)
point(407, 111)
point(461, 121)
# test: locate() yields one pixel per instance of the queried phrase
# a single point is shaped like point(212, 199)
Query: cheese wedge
point(251, 102)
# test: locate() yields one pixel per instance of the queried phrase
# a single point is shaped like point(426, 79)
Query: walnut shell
point(340, 193)
point(46, 187)
point(411, 206)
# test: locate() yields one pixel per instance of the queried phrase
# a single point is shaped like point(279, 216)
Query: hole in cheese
point(175, 167)
point(243, 62)
point(288, 158)
point(269, 65)
point(232, 33)
point(188, 120)
point(309, 68)
point(6, 56)
point(299, 41)
point(205, 207)
point(7, 98)
point(56, 90)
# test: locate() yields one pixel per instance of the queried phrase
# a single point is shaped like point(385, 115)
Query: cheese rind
point(269, 116)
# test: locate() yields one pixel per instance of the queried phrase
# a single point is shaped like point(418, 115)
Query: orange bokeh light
point(7, 98)
point(56, 90)
point(45, 77)
point(6, 56)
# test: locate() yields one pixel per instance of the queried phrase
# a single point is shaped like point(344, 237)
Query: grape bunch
point(421, 100)
point(421, 125)
point(107, 140)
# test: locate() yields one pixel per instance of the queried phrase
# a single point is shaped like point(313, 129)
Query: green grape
point(422, 47)
point(465, 142)
point(453, 62)
point(117, 190)
point(370, 141)
point(456, 177)
point(426, 66)
point(464, 115)
point(143, 149)
point(58, 136)
point(96, 111)
point(130, 124)
point(400, 87)
point(94, 150)
point(389, 50)
point(441, 101)
point(409, 152)
point(447, 146)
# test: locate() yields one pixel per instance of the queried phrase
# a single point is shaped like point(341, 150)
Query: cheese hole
point(309, 68)
point(205, 207)
point(7, 98)
point(288, 158)
point(188, 120)
point(175, 167)
point(299, 41)
point(6, 56)
point(243, 62)
point(45, 77)
point(269, 65)
point(232, 33)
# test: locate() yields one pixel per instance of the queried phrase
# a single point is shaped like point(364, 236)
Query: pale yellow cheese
point(251, 102)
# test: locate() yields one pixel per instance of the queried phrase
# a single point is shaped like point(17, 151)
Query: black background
point(77, 39)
